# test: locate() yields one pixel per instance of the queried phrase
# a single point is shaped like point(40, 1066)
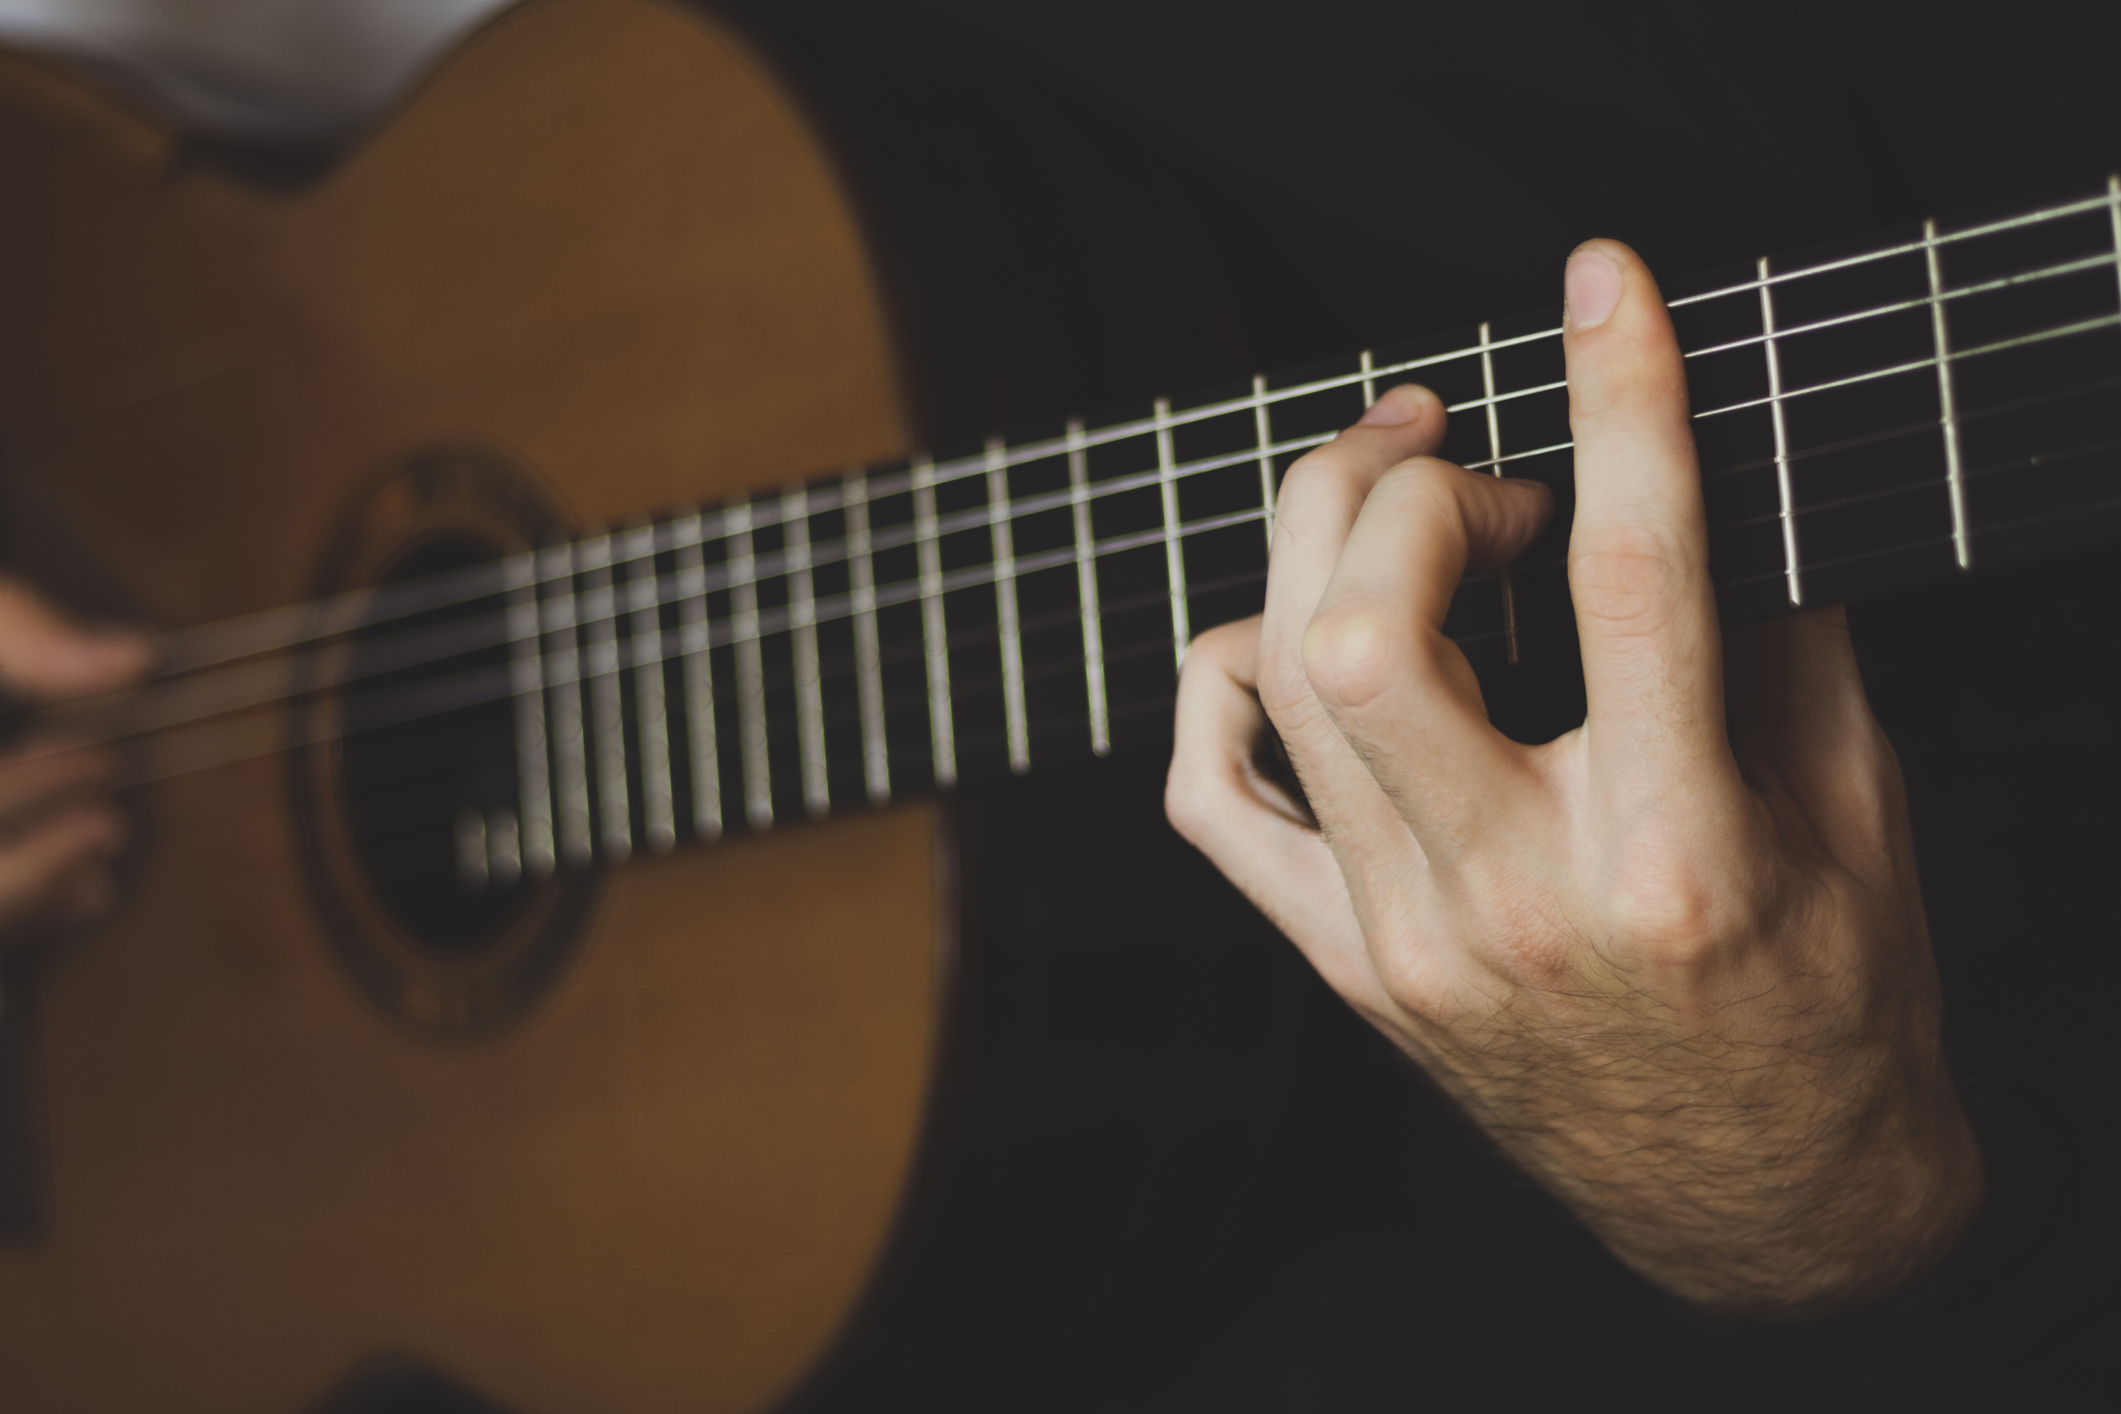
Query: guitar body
point(598, 250)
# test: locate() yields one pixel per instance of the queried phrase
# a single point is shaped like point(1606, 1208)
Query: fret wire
point(1886, 434)
point(651, 711)
point(1368, 373)
point(694, 634)
point(1263, 432)
point(1947, 404)
point(1782, 447)
point(1002, 541)
point(809, 699)
point(1174, 550)
point(935, 638)
point(1086, 592)
point(559, 615)
point(748, 637)
point(2113, 214)
point(2112, 503)
point(526, 664)
point(1487, 380)
point(607, 711)
point(868, 659)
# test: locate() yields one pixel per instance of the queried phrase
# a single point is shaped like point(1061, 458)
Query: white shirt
point(278, 70)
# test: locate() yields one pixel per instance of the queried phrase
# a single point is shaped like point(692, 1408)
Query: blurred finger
point(52, 872)
point(47, 656)
point(1801, 722)
point(34, 779)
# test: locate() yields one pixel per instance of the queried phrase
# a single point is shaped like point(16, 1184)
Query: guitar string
point(247, 684)
point(263, 738)
point(293, 625)
point(476, 687)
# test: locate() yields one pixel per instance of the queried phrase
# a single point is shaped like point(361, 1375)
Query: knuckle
point(1183, 804)
point(1352, 651)
point(1676, 914)
point(1630, 583)
point(1411, 977)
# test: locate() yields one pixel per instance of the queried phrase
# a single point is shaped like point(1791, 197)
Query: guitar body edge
point(599, 247)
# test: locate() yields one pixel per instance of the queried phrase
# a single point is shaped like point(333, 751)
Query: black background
point(1170, 1170)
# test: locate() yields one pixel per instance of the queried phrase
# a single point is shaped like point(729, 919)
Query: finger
point(1401, 692)
point(47, 656)
point(1219, 799)
point(1638, 550)
point(1320, 499)
point(33, 780)
point(42, 873)
point(1802, 727)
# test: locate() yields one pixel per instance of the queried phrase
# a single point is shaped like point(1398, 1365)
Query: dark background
point(1171, 1171)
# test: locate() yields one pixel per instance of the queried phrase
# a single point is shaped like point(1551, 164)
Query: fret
point(935, 640)
point(1263, 433)
point(750, 669)
point(1947, 403)
point(2113, 215)
point(651, 712)
point(802, 618)
point(1487, 383)
point(1368, 372)
point(608, 722)
point(1782, 439)
point(868, 659)
point(1174, 548)
point(569, 748)
point(1002, 541)
point(526, 675)
point(701, 742)
point(1086, 592)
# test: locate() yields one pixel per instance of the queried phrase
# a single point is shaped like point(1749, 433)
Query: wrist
point(1838, 1230)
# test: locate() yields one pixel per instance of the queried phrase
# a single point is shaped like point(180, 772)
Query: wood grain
point(599, 242)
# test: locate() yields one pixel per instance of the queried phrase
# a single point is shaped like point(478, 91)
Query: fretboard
point(1914, 406)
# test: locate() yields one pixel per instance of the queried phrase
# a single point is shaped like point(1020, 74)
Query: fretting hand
point(58, 826)
point(1674, 961)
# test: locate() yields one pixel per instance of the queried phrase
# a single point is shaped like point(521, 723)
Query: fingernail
point(1395, 409)
point(1590, 289)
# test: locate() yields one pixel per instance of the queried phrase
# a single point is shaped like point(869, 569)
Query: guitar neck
point(1910, 408)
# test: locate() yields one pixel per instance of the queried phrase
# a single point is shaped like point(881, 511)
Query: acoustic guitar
point(542, 929)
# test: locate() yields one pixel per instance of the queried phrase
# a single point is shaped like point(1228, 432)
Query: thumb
point(45, 655)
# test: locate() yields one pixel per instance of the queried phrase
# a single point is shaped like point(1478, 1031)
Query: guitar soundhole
point(417, 790)
point(404, 756)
